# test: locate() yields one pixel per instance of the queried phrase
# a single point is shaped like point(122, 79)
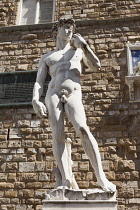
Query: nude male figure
point(64, 95)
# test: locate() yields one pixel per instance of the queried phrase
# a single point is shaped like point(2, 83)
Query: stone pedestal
point(68, 199)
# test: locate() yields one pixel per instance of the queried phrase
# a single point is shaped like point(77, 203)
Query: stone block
point(19, 185)
point(30, 201)
point(75, 166)
point(20, 151)
point(15, 200)
point(44, 176)
point(29, 37)
point(6, 157)
point(87, 176)
point(39, 207)
point(3, 137)
point(126, 192)
point(23, 123)
point(47, 143)
point(1, 193)
point(110, 175)
point(14, 131)
point(134, 201)
point(34, 185)
point(4, 200)
point(126, 165)
point(3, 177)
point(35, 123)
point(121, 207)
point(27, 167)
point(49, 165)
point(40, 166)
point(27, 51)
point(25, 193)
point(100, 41)
point(83, 184)
point(37, 130)
point(29, 177)
point(11, 166)
point(42, 151)
point(11, 194)
point(26, 130)
point(31, 158)
point(27, 143)
point(134, 175)
point(12, 177)
point(16, 136)
point(31, 136)
point(3, 131)
point(84, 166)
point(14, 143)
point(133, 184)
point(31, 151)
point(99, 88)
point(21, 207)
point(37, 144)
point(18, 158)
point(6, 185)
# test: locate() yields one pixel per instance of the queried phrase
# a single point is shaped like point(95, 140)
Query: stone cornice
point(78, 23)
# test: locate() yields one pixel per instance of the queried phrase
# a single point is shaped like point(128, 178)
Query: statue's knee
point(83, 131)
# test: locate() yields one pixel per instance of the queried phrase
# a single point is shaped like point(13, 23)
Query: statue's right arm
point(39, 107)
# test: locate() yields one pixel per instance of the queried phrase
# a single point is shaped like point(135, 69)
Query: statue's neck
point(62, 44)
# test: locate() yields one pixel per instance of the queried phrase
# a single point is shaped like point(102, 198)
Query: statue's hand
point(78, 41)
point(39, 108)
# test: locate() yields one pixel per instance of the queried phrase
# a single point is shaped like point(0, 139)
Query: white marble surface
point(64, 96)
point(79, 194)
point(78, 199)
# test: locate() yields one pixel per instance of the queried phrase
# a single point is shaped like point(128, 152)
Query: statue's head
point(63, 22)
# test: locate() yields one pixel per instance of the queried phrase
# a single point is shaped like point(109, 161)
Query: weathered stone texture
point(26, 141)
point(81, 10)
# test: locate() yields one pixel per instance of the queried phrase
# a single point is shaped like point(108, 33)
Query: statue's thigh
point(75, 111)
point(55, 110)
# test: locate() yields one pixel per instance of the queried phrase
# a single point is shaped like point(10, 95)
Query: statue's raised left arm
point(89, 58)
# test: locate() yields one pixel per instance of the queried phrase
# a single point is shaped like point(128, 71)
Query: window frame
point(130, 47)
point(37, 12)
point(16, 99)
point(132, 80)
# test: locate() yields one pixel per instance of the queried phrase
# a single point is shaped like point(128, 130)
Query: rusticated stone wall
point(8, 12)
point(25, 140)
point(99, 9)
point(80, 9)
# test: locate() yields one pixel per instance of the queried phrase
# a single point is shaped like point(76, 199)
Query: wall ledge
point(78, 23)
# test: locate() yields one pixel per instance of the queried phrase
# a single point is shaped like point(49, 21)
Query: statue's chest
point(61, 56)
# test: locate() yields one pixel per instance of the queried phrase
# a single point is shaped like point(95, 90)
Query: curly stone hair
point(60, 23)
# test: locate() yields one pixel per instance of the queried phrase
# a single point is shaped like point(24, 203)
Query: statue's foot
point(62, 187)
point(107, 185)
point(65, 185)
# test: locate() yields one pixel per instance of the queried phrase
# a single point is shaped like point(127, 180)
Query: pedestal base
point(67, 199)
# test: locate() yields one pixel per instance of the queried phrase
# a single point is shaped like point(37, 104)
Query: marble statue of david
point(64, 64)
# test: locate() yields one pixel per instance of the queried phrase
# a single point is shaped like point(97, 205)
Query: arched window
point(36, 11)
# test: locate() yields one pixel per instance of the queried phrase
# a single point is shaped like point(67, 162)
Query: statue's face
point(65, 32)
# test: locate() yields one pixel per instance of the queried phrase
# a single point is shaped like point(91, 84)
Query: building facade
point(111, 99)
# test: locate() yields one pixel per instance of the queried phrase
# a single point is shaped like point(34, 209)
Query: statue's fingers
point(43, 114)
point(41, 111)
point(76, 35)
point(44, 109)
